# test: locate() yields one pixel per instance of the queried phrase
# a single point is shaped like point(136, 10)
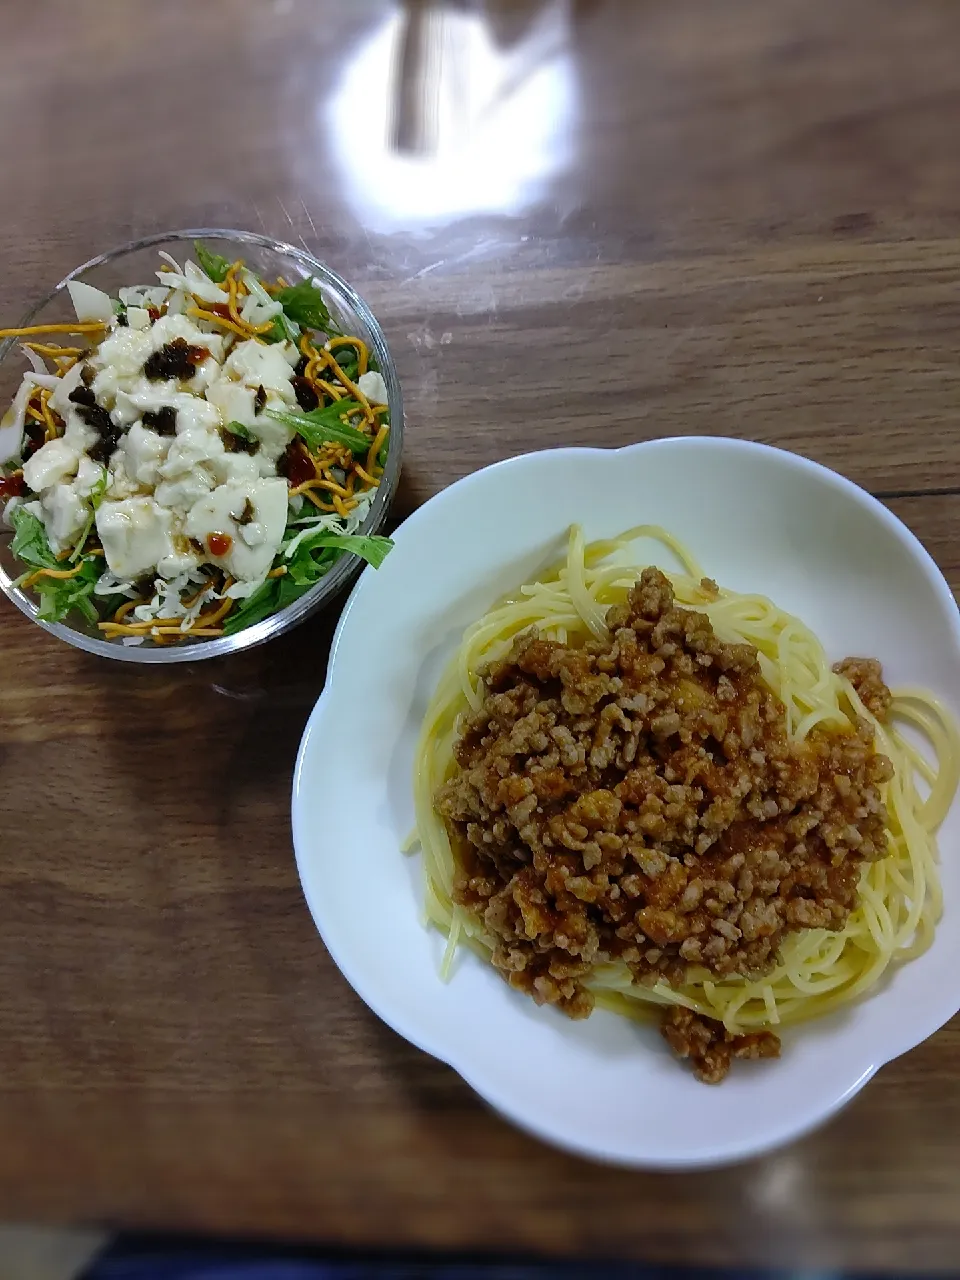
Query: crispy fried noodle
point(640, 790)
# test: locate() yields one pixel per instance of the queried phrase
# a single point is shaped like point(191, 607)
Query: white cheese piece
point(373, 387)
point(89, 475)
point(77, 434)
point(236, 402)
point(143, 452)
point(169, 327)
point(274, 438)
point(254, 534)
point(143, 295)
point(64, 515)
point(260, 364)
point(240, 468)
point(207, 371)
point(53, 463)
point(135, 534)
point(120, 484)
point(141, 395)
point(90, 303)
point(265, 501)
point(180, 495)
point(138, 318)
point(191, 449)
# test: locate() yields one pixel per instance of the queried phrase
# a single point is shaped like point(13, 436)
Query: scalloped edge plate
point(759, 519)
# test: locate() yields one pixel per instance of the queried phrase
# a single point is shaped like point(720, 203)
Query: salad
point(199, 459)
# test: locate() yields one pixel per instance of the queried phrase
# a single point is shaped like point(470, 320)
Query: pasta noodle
point(816, 970)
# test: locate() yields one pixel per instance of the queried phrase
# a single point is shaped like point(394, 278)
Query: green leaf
point(322, 425)
point(59, 596)
point(238, 429)
point(304, 303)
point(282, 331)
point(373, 549)
point(303, 570)
point(253, 609)
point(30, 540)
point(305, 567)
point(214, 266)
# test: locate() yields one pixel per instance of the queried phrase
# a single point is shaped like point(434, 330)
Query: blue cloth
point(165, 1260)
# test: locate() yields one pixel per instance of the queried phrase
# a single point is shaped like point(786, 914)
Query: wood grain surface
point(739, 218)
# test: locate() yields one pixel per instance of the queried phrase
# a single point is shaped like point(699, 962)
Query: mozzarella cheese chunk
point(373, 387)
point(64, 514)
point(135, 534)
point(143, 452)
point(53, 463)
point(264, 365)
point(227, 511)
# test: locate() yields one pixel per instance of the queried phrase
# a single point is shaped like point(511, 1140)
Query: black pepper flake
point(174, 360)
point(96, 416)
point(82, 395)
point(163, 420)
point(259, 400)
point(307, 398)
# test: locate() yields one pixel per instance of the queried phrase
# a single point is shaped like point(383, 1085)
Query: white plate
point(758, 520)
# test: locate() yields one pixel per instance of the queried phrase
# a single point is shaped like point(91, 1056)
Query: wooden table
point(738, 218)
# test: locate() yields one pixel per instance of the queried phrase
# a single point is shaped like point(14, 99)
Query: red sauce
point(219, 543)
point(296, 465)
point(12, 487)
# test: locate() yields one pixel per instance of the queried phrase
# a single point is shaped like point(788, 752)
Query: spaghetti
point(897, 900)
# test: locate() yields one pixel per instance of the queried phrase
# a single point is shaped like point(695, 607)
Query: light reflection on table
point(453, 121)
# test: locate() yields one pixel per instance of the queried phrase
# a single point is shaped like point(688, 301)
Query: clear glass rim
point(345, 568)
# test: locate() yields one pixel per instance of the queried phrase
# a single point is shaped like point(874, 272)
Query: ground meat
point(710, 1047)
point(638, 799)
point(866, 676)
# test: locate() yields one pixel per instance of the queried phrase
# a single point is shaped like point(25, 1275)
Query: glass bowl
point(136, 264)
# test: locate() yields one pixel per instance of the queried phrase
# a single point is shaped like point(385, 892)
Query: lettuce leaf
point(211, 263)
point(59, 596)
point(30, 540)
point(323, 425)
point(304, 570)
point(303, 302)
